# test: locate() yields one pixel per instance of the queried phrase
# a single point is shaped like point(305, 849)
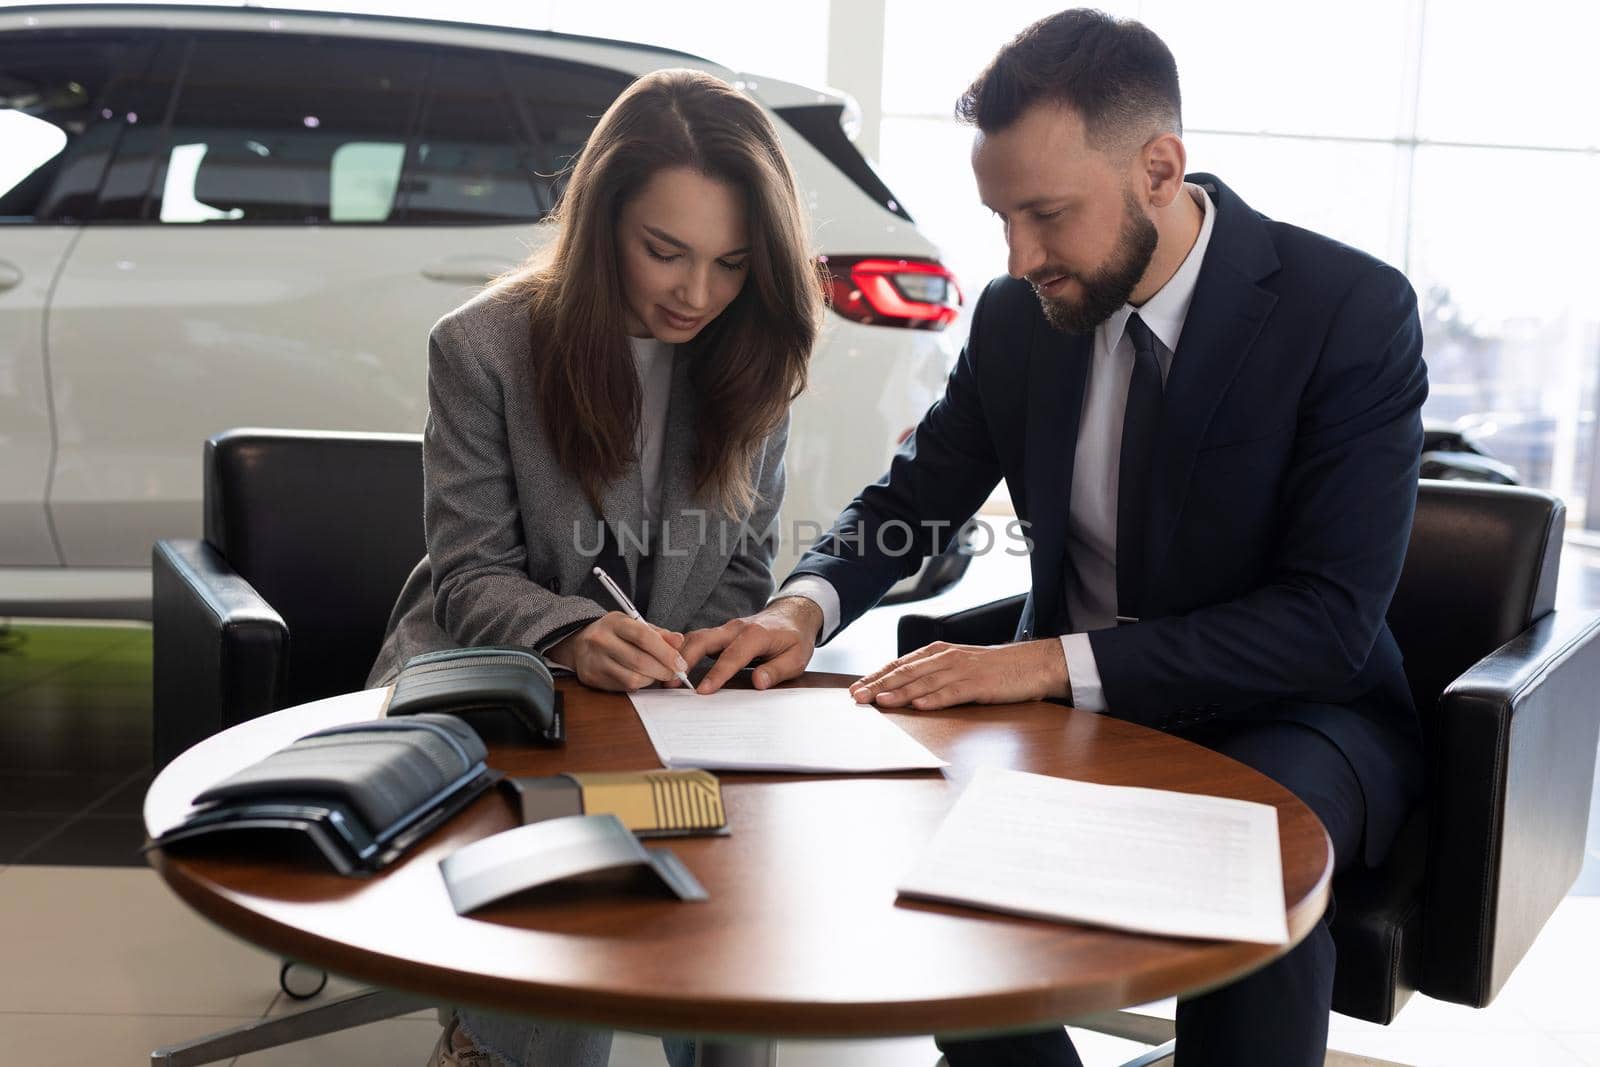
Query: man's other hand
point(782, 636)
point(942, 675)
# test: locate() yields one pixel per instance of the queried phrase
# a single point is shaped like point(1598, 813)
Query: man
point(1209, 423)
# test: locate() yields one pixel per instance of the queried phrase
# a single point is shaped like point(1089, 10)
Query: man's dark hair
point(1115, 73)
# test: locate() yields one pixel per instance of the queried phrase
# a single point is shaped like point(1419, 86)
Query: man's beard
point(1108, 288)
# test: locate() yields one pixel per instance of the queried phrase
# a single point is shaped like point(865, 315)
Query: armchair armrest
point(220, 651)
point(994, 623)
point(1512, 759)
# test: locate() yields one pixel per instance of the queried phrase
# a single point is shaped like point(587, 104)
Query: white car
point(216, 217)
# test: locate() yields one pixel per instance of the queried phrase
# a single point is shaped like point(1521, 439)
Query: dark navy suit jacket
point(1279, 506)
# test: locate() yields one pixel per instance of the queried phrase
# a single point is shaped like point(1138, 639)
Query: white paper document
point(805, 730)
point(1148, 860)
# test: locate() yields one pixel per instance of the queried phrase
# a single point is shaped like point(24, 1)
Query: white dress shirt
point(1092, 511)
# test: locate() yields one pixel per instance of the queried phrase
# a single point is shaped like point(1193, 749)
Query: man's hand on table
point(942, 675)
point(782, 635)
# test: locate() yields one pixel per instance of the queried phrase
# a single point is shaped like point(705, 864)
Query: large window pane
point(931, 52)
point(931, 56)
point(1521, 76)
point(1352, 191)
point(1265, 65)
point(1512, 324)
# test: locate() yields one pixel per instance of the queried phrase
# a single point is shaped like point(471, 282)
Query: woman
point(620, 401)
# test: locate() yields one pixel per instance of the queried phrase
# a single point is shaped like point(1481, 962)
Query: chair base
point(375, 1005)
point(357, 1009)
point(1160, 1056)
point(1154, 1030)
point(741, 1054)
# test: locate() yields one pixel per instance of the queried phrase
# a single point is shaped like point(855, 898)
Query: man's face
point(1073, 225)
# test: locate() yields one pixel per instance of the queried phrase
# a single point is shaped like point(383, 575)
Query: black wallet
point(487, 686)
point(362, 793)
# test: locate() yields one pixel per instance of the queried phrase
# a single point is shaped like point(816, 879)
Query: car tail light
point(881, 291)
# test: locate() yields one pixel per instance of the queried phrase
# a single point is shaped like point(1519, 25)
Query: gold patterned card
point(659, 803)
point(656, 801)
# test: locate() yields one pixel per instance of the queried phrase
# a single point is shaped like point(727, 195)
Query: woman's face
point(683, 246)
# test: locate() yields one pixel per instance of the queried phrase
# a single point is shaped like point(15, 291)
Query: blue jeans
point(522, 1042)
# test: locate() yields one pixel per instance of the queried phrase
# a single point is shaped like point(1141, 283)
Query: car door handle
point(473, 270)
point(10, 277)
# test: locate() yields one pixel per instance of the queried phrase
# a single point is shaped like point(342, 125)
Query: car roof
point(774, 92)
point(179, 14)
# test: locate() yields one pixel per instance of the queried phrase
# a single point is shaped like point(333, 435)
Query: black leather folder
point(492, 688)
point(362, 793)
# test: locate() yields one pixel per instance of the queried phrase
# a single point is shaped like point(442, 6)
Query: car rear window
point(819, 124)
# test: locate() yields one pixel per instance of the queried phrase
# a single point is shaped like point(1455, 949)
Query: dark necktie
point(1139, 424)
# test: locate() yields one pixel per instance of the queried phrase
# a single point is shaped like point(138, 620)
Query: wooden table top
point(803, 935)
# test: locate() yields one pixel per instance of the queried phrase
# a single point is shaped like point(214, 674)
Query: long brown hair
point(749, 363)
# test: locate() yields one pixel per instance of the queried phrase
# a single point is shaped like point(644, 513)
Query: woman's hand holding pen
point(619, 653)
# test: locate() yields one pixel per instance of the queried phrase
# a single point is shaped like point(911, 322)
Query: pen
point(632, 612)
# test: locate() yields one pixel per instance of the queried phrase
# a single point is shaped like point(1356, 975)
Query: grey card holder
point(494, 689)
point(507, 863)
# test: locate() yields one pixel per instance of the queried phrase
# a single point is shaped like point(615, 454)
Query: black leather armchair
point(1506, 689)
point(308, 539)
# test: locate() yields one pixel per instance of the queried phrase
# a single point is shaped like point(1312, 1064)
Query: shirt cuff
point(820, 592)
point(1083, 674)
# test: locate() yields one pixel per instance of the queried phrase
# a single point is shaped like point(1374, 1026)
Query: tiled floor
point(74, 744)
point(101, 963)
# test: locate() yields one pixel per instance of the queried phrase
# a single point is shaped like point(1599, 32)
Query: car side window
point(471, 161)
point(561, 102)
point(287, 130)
point(55, 130)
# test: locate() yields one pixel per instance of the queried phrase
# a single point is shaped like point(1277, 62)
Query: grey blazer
point(511, 537)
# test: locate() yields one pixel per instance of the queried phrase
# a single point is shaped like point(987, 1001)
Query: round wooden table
point(803, 935)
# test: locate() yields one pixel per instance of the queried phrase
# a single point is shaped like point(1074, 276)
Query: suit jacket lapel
point(687, 521)
point(1225, 315)
point(1058, 368)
